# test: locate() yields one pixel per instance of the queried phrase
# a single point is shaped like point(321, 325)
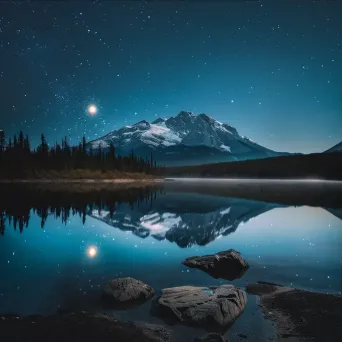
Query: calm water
point(60, 246)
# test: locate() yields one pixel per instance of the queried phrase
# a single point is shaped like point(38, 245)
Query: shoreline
point(62, 180)
point(252, 180)
point(299, 315)
point(172, 179)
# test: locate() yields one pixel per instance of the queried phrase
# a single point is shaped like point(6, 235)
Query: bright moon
point(92, 251)
point(92, 110)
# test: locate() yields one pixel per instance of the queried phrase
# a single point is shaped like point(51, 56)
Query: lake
point(60, 244)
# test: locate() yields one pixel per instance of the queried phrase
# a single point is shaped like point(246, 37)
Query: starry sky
point(272, 69)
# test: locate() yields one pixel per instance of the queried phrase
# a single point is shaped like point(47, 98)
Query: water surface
point(49, 234)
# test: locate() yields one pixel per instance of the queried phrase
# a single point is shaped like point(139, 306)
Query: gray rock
point(123, 290)
point(220, 305)
point(212, 337)
point(79, 327)
point(227, 265)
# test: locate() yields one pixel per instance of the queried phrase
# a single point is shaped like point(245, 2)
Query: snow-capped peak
point(142, 124)
point(185, 130)
point(159, 121)
point(185, 114)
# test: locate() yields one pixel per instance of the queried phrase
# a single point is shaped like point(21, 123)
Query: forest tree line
point(18, 159)
point(64, 202)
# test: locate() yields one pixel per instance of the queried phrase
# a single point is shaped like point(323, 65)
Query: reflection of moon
point(92, 109)
point(92, 251)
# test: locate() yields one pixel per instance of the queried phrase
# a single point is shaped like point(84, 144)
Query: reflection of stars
point(92, 251)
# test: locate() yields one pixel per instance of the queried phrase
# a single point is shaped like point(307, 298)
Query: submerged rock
point(123, 290)
point(306, 315)
point(227, 265)
point(212, 337)
point(220, 305)
point(79, 327)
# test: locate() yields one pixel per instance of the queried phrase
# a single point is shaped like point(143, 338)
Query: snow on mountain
point(183, 135)
point(160, 134)
point(336, 148)
point(168, 220)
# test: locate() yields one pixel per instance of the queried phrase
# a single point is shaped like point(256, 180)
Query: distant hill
point(336, 148)
point(311, 166)
point(186, 139)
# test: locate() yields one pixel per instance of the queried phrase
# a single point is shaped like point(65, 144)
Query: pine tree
point(44, 149)
point(111, 155)
point(2, 143)
point(84, 144)
point(21, 140)
point(27, 145)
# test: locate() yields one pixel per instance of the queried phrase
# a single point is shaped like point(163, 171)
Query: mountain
point(335, 212)
point(187, 221)
point(336, 148)
point(186, 139)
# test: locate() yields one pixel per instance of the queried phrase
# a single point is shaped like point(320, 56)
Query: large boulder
point(80, 326)
point(125, 290)
point(206, 305)
point(227, 265)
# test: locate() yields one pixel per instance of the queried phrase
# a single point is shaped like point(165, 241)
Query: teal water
point(66, 263)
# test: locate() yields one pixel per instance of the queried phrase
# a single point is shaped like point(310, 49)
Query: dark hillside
point(311, 166)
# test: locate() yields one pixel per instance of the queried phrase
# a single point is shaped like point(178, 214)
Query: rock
point(80, 327)
point(311, 316)
point(212, 337)
point(123, 290)
point(227, 265)
point(220, 305)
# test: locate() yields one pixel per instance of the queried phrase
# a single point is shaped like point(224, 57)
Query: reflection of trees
point(17, 202)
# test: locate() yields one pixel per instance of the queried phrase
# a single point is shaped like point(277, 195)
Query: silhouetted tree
point(18, 159)
point(2, 145)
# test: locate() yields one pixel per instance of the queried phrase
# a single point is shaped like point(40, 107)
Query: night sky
point(272, 69)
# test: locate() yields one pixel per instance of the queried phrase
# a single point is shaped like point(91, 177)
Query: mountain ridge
point(184, 139)
point(335, 148)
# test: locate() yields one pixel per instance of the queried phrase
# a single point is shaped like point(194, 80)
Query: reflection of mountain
point(335, 212)
point(188, 220)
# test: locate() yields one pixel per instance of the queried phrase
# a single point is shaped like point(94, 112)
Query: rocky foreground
point(300, 315)
point(79, 327)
